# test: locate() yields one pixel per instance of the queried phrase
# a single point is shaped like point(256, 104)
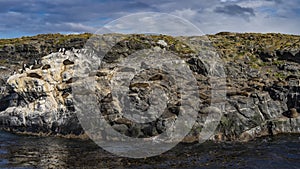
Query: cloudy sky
point(28, 17)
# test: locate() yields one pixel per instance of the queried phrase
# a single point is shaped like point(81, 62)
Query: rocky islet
point(262, 84)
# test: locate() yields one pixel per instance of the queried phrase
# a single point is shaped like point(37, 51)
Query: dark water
point(48, 152)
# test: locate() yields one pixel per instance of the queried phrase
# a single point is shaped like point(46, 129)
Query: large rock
point(262, 86)
point(39, 100)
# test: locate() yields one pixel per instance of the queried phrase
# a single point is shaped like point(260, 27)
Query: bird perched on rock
point(25, 67)
point(20, 70)
point(63, 51)
point(292, 113)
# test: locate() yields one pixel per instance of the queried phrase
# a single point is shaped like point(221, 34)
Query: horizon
point(29, 18)
point(66, 34)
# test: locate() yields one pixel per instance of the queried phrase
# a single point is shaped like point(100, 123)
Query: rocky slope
point(262, 83)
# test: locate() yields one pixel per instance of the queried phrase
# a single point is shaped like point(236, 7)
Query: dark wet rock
point(149, 130)
point(68, 62)
point(121, 128)
point(47, 66)
point(34, 75)
point(136, 131)
point(198, 66)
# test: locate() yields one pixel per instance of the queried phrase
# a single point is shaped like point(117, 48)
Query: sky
point(29, 17)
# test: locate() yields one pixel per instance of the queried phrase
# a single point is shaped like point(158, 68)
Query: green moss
point(173, 44)
point(254, 66)
point(278, 62)
point(3, 61)
point(253, 58)
point(257, 62)
point(263, 64)
point(254, 42)
point(257, 119)
point(280, 75)
point(59, 38)
point(225, 121)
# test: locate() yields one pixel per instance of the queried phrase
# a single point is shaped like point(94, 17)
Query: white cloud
point(185, 13)
point(156, 23)
point(80, 27)
point(69, 16)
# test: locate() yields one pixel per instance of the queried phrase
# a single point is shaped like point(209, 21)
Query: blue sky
point(28, 17)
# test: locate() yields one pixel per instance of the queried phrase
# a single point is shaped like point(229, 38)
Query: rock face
point(40, 99)
point(262, 87)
